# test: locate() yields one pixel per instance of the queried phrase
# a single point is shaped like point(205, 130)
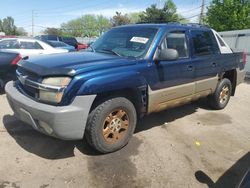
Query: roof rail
point(189, 24)
point(177, 23)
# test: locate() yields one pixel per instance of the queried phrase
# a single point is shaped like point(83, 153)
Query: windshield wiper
point(110, 51)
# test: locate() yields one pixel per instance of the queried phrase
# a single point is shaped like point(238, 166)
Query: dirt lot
point(190, 146)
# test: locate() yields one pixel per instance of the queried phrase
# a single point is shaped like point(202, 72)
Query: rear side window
point(51, 37)
point(30, 45)
point(69, 39)
point(220, 40)
point(9, 44)
point(204, 43)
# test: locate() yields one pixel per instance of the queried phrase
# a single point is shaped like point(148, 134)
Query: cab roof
point(168, 25)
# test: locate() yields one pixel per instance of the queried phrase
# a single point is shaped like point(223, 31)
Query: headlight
point(52, 95)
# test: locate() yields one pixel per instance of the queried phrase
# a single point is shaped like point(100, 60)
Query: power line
point(193, 16)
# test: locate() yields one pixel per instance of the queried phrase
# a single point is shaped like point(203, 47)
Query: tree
point(103, 24)
point(119, 19)
point(52, 31)
point(72, 28)
point(7, 26)
point(135, 17)
point(225, 15)
point(87, 25)
point(167, 14)
point(21, 31)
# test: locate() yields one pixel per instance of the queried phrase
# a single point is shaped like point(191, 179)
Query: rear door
point(29, 48)
point(205, 55)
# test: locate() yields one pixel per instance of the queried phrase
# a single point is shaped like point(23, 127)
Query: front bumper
point(64, 122)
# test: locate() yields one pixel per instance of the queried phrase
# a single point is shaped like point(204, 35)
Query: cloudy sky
point(54, 12)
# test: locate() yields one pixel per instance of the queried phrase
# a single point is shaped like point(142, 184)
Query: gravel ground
point(190, 146)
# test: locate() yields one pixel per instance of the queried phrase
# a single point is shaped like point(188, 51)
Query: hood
point(73, 63)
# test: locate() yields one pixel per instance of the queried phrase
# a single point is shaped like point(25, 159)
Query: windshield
point(126, 41)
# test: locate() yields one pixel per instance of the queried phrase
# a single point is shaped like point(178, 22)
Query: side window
point(38, 46)
point(176, 40)
point(9, 44)
point(30, 45)
point(220, 40)
point(204, 43)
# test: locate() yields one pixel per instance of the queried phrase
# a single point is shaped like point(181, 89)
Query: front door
point(172, 81)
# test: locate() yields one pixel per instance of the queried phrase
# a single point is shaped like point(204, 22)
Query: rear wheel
point(111, 124)
point(220, 98)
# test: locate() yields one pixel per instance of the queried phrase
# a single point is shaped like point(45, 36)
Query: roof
point(21, 39)
point(167, 25)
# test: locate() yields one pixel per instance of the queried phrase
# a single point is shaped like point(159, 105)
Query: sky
point(55, 12)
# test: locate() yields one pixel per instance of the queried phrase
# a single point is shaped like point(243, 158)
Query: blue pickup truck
point(129, 72)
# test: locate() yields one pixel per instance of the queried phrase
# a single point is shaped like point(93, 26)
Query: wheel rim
point(115, 126)
point(224, 94)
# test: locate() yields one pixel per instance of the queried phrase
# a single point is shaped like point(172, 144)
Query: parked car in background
point(129, 72)
point(28, 47)
point(8, 63)
point(81, 46)
point(3, 37)
point(61, 45)
point(68, 40)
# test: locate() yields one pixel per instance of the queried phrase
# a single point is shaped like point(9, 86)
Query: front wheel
point(221, 96)
point(111, 124)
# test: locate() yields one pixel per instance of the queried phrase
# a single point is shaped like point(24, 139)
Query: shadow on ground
point(42, 145)
point(52, 148)
point(231, 178)
point(158, 119)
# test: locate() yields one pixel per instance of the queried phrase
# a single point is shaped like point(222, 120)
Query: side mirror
point(167, 55)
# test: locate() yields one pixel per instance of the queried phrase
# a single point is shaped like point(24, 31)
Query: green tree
point(20, 31)
point(225, 15)
point(103, 24)
point(72, 28)
point(52, 31)
point(8, 27)
point(89, 24)
point(135, 17)
point(86, 26)
point(119, 19)
point(156, 15)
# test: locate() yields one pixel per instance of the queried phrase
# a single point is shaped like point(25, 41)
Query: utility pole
point(202, 12)
point(32, 25)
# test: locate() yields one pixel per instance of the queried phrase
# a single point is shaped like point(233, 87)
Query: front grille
point(25, 89)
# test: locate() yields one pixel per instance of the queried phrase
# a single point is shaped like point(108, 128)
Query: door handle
point(214, 64)
point(190, 67)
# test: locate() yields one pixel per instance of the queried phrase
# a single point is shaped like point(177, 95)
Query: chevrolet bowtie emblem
point(22, 79)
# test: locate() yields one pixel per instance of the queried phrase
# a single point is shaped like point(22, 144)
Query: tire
point(111, 124)
point(221, 96)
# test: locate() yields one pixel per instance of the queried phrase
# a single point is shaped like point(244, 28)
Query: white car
point(28, 47)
